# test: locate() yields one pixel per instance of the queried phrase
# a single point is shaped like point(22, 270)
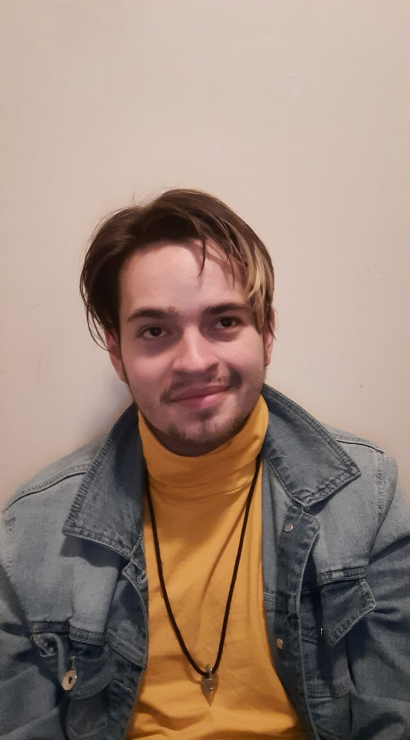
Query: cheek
point(144, 374)
point(249, 355)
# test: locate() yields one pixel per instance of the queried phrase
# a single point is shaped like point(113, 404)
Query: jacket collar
point(303, 455)
point(107, 509)
point(108, 506)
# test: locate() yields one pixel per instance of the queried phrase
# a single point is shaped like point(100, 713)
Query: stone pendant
point(209, 685)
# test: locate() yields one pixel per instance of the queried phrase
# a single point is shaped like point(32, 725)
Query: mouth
point(201, 397)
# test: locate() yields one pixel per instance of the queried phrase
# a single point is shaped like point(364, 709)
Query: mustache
point(232, 380)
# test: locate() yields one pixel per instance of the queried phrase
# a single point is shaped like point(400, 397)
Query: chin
point(206, 433)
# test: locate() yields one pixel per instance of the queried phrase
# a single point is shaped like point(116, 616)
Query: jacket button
point(288, 527)
point(279, 643)
point(69, 680)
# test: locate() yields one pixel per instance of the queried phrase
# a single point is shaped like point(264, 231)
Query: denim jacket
point(336, 564)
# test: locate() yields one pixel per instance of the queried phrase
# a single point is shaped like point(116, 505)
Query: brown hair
point(176, 216)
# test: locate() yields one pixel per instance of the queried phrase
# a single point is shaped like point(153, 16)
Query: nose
point(194, 353)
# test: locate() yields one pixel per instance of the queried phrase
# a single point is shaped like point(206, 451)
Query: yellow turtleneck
point(199, 506)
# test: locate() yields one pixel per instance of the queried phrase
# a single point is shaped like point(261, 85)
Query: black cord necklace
point(209, 680)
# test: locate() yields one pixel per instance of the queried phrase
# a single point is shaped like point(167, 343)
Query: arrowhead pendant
point(209, 685)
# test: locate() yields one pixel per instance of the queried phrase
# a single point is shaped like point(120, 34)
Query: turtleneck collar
point(226, 469)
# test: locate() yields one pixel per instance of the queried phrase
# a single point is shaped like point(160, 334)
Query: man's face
point(189, 348)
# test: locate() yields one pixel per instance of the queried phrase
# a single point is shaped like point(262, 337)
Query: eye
point(227, 322)
point(153, 332)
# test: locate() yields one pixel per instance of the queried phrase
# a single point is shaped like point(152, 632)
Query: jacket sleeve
point(379, 645)
point(30, 698)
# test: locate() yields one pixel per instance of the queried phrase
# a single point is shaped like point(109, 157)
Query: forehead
point(174, 274)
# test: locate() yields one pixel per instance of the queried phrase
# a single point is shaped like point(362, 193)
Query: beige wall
point(296, 112)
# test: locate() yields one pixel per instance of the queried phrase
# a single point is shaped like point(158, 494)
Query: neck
point(224, 468)
point(181, 445)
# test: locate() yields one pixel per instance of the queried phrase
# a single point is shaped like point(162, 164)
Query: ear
point(114, 349)
point(268, 337)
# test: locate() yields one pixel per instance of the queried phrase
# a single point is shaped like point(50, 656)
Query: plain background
point(295, 112)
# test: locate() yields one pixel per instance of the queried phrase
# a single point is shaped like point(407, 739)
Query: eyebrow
point(152, 313)
point(225, 307)
point(158, 313)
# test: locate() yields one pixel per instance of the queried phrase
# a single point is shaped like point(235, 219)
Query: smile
point(199, 398)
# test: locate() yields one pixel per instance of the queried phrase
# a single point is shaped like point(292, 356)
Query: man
point(266, 556)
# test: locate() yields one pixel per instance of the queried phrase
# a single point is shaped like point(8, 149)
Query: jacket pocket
point(91, 668)
point(328, 613)
point(87, 710)
point(54, 650)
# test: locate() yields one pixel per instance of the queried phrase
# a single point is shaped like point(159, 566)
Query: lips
point(198, 398)
point(188, 391)
point(197, 393)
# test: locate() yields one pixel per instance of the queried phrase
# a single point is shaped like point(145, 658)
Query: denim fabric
point(336, 563)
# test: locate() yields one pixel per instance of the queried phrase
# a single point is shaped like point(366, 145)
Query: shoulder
point(64, 473)
point(349, 439)
point(32, 534)
point(319, 445)
point(371, 459)
point(279, 406)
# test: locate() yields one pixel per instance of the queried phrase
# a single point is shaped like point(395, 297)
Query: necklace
point(209, 680)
